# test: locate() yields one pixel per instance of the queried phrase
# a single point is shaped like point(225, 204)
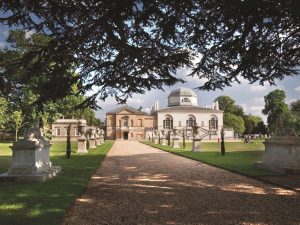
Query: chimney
point(217, 105)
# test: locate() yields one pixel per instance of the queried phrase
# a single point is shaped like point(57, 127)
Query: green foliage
point(24, 92)
point(275, 107)
point(127, 47)
point(4, 119)
point(251, 123)
point(295, 115)
point(236, 122)
point(17, 120)
point(31, 203)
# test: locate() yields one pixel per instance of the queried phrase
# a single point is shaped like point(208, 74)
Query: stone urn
point(175, 132)
point(163, 133)
point(196, 130)
point(82, 130)
point(93, 132)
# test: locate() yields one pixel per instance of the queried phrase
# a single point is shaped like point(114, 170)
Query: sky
point(249, 96)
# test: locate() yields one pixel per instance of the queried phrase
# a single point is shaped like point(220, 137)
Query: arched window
point(168, 122)
point(213, 123)
point(191, 121)
point(185, 100)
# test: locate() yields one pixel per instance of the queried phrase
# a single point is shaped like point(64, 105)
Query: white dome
point(182, 97)
point(183, 91)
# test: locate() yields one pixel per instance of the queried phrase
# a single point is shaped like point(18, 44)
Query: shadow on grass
point(40, 203)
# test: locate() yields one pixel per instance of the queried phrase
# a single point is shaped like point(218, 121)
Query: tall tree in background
point(275, 107)
point(125, 47)
point(295, 112)
point(233, 114)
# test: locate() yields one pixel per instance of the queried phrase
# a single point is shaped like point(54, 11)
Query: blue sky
point(250, 97)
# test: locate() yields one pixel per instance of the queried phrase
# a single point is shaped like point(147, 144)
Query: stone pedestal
point(175, 142)
point(282, 154)
point(81, 145)
point(98, 141)
point(30, 162)
point(92, 143)
point(156, 140)
point(196, 145)
point(101, 140)
point(163, 141)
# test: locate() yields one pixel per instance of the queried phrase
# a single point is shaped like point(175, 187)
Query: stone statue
point(281, 130)
point(34, 132)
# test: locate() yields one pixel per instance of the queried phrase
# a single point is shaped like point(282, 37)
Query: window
point(76, 131)
point(185, 100)
point(140, 123)
point(125, 122)
point(132, 123)
point(213, 123)
point(191, 121)
point(168, 123)
point(57, 131)
point(131, 135)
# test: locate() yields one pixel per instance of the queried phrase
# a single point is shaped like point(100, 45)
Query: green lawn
point(239, 156)
point(46, 203)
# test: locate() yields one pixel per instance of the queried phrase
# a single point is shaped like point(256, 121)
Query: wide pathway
point(138, 184)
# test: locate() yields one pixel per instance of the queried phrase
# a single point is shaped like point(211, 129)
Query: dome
point(182, 97)
point(182, 91)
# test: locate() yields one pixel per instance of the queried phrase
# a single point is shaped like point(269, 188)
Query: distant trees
point(275, 107)
point(235, 117)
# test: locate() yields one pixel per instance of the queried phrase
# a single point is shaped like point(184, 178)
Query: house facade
point(181, 113)
point(127, 123)
point(60, 126)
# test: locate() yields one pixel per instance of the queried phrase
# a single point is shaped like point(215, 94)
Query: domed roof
point(182, 91)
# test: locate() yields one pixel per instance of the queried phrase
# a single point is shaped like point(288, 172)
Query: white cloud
point(147, 110)
point(135, 101)
point(29, 33)
point(297, 89)
point(256, 108)
point(259, 100)
point(258, 88)
point(2, 44)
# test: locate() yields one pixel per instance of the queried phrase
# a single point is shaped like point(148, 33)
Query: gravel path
point(138, 184)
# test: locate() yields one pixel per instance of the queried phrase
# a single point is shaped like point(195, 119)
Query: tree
point(23, 96)
point(295, 111)
point(275, 107)
point(4, 119)
point(227, 104)
point(251, 123)
point(261, 128)
point(17, 119)
point(236, 122)
point(125, 47)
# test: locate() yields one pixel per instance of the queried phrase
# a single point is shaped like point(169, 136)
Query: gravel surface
point(138, 184)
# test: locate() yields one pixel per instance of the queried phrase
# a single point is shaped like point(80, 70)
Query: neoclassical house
point(182, 112)
point(127, 123)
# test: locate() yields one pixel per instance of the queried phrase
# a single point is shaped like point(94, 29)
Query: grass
point(46, 203)
point(239, 156)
